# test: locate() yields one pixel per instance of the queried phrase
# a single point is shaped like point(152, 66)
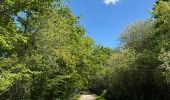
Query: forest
point(45, 54)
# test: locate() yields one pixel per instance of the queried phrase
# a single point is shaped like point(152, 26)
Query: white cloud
point(107, 2)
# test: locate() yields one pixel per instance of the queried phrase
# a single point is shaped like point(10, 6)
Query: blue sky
point(105, 19)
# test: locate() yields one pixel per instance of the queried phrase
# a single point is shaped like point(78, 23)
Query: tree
point(134, 73)
point(51, 59)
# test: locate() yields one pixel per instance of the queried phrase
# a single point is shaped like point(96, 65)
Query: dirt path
point(87, 97)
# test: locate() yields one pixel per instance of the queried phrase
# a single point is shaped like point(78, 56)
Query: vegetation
point(46, 55)
point(139, 69)
point(76, 97)
point(98, 97)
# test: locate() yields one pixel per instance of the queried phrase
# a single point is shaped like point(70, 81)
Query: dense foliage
point(139, 69)
point(46, 55)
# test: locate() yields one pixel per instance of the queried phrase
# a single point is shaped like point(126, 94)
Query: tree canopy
point(45, 54)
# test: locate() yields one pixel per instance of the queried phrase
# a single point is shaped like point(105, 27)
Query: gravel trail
point(87, 97)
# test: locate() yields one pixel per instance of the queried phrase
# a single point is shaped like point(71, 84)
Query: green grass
point(75, 97)
point(98, 97)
